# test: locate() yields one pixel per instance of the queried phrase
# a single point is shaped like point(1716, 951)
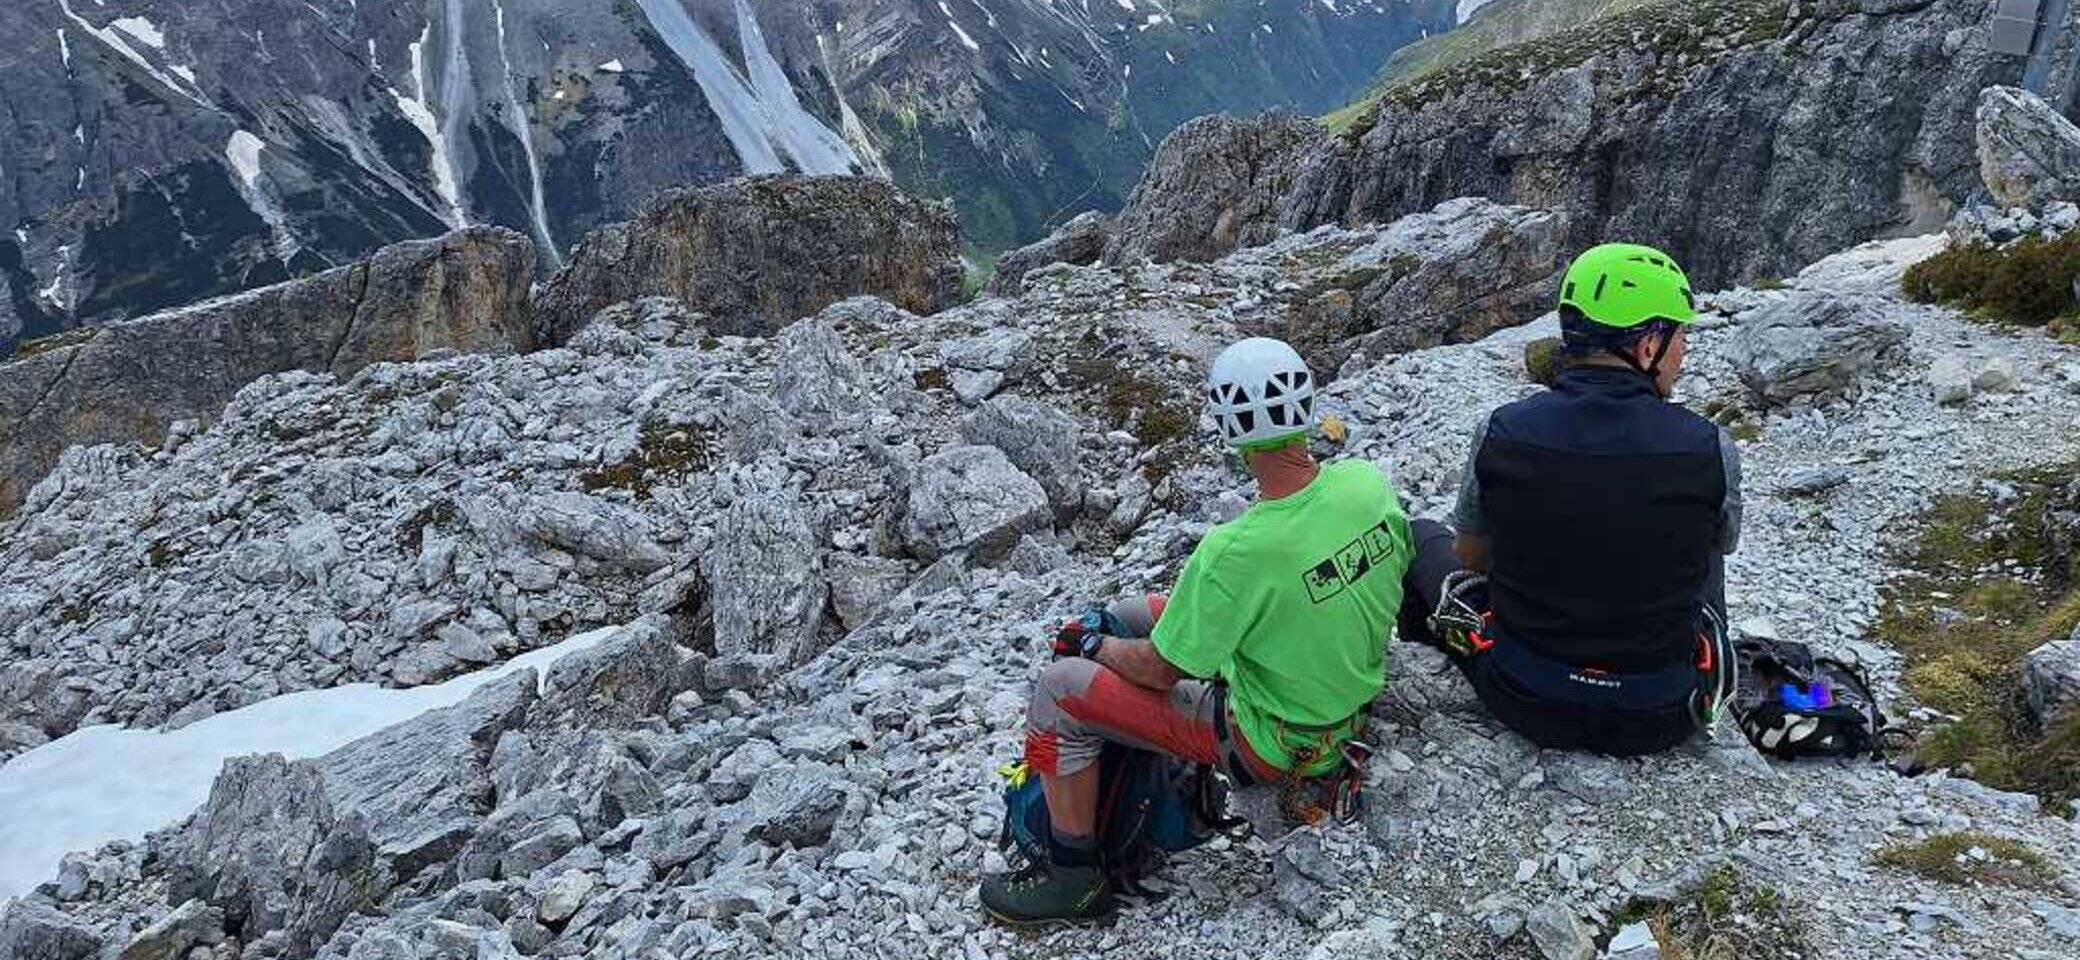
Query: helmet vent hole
point(1272, 389)
point(1601, 282)
point(1246, 420)
point(1277, 415)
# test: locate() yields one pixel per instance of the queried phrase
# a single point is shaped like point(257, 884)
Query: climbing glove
point(1082, 636)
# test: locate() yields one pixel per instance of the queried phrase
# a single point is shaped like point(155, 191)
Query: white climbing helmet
point(1260, 393)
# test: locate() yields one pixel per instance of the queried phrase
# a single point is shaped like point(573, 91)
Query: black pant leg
point(1422, 585)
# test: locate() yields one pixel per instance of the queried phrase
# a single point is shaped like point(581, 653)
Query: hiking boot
point(1045, 893)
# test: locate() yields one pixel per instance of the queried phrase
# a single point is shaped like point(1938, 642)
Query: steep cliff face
point(133, 381)
point(763, 252)
point(160, 151)
point(1745, 136)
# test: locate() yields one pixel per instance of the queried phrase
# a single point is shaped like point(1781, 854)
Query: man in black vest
point(1600, 514)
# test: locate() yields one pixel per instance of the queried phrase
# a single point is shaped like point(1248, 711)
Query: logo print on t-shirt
point(1357, 558)
point(1323, 581)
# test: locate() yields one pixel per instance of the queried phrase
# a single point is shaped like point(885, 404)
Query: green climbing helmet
point(1623, 285)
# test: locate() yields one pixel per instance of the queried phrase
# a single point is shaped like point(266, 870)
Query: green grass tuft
point(1970, 858)
point(1987, 583)
point(1720, 917)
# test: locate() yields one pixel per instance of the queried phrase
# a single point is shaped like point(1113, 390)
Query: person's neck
point(1282, 473)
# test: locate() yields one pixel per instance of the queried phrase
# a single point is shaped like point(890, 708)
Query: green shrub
point(2028, 282)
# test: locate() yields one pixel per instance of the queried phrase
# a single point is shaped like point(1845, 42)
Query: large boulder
point(1452, 274)
point(770, 593)
point(1214, 185)
point(1038, 439)
point(759, 253)
point(271, 849)
point(972, 498)
point(816, 378)
point(2029, 154)
point(422, 785)
point(1814, 345)
point(2051, 679)
point(30, 930)
point(1081, 241)
point(622, 679)
point(132, 381)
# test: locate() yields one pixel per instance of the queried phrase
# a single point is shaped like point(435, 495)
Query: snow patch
point(612, 66)
point(244, 153)
point(966, 40)
point(144, 30)
point(114, 41)
point(419, 110)
point(65, 50)
point(108, 783)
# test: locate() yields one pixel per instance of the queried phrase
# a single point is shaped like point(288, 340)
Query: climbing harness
point(1705, 685)
point(1339, 795)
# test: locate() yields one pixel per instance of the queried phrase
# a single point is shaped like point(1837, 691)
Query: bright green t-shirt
point(1292, 603)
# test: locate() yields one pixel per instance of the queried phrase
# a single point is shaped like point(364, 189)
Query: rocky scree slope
point(761, 250)
point(832, 550)
point(1747, 137)
point(161, 151)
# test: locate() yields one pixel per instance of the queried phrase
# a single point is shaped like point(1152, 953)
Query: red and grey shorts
point(1079, 706)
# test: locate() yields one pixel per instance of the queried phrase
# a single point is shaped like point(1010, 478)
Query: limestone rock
point(1081, 241)
point(971, 498)
point(1814, 345)
point(422, 785)
point(275, 854)
point(33, 931)
point(171, 936)
point(2051, 679)
point(1213, 186)
point(1557, 933)
point(129, 382)
point(815, 378)
point(2029, 154)
point(759, 253)
point(624, 678)
point(770, 594)
point(1738, 131)
point(1038, 439)
point(861, 586)
point(592, 527)
point(797, 806)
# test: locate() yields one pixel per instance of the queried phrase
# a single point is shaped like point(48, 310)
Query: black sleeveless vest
point(1602, 504)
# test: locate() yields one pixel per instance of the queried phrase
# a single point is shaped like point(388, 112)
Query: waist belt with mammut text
point(1554, 680)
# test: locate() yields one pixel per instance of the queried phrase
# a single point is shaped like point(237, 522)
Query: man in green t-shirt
point(1276, 631)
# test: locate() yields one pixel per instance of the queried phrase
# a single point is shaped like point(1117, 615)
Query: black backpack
point(1149, 805)
point(1793, 704)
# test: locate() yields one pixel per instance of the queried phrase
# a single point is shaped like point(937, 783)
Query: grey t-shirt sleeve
point(1467, 516)
point(1730, 511)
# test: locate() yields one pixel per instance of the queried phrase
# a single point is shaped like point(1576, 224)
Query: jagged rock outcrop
point(281, 860)
point(2029, 155)
point(770, 594)
point(422, 787)
point(972, 498)
point(1214, 185)
point(2051, 679)
point(137, 380)
point(1081, 241)
point(760, 253)
point(35, 931)
point(1449, 275)
point(1742, 136)
point(1037, 439)
point(1814, 345)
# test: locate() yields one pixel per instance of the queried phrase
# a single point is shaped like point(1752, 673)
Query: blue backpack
point(1149, 805)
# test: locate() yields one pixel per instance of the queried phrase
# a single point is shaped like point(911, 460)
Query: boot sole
point(1047, 923)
